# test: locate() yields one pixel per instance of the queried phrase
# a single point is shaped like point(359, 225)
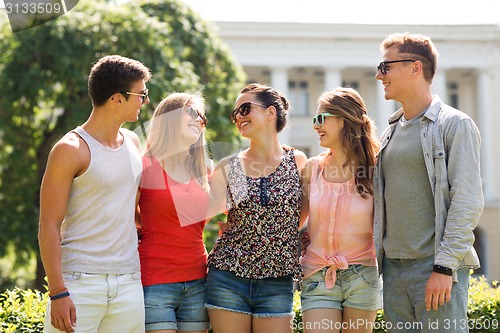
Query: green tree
point(44, 71)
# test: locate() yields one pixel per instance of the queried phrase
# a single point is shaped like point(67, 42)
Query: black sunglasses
point(320, 118)
point(382, 67)
point(244, 109)
point(195, 114)
point(143, 95)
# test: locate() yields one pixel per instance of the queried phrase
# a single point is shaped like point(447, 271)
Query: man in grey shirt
point(428, 195)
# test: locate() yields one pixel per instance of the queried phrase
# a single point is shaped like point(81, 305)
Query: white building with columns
point(304, 59)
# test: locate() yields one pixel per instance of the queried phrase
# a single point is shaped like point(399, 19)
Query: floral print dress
point(264, 212)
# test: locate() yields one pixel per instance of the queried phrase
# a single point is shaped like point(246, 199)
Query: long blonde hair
point(164, 137)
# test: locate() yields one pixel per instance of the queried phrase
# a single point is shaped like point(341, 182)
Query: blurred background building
point(303, 59)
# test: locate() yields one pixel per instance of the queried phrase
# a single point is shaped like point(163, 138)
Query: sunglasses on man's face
point(244, 109)
point(144, 95)
point(194, 113)
point(319, 119)
point(382, 67)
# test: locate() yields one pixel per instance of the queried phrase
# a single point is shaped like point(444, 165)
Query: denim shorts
point(357, 287)
point(262, 298)
point(176, 306)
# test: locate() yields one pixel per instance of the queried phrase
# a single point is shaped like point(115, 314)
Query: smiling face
point(330, 133)
point(132, 104)
point(251, 115)
point(192, 127)
point(396, 80)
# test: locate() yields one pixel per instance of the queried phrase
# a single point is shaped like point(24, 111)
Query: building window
point(351, 84)
point(298, 92)
point(453, 94)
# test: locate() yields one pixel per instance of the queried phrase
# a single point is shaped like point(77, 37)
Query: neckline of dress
point(285, 154)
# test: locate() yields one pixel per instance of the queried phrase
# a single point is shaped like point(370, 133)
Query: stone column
point(279, 81)
point(333, 78)
point(384, 109)
point(439, 85)
point(485, 127)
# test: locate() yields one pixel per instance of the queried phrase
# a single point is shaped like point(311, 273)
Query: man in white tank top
point(87, 236)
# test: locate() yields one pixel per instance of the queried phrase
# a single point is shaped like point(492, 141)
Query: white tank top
point(98, 233)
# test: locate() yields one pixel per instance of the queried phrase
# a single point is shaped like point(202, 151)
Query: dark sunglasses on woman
point(244, 109)
point(195, 114)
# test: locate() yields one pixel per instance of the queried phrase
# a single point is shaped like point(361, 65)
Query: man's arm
point(67, 159)
point(466, 205)
point(466, 194)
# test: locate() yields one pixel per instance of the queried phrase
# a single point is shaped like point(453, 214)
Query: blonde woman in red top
point(173, 198)
point(341, 288)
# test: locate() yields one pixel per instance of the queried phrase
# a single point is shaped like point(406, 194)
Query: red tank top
point(169, 251)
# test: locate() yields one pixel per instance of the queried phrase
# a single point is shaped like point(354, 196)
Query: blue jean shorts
point(262, 298)
point(357, 287)
point(176, 306)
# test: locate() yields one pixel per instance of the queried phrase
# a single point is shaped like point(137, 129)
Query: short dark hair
point(270, 96)
point(114, 73)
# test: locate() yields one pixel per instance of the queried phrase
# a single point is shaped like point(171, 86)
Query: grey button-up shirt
point(450, 143)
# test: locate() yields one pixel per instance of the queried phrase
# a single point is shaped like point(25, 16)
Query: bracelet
point(60, 295)
point(57, 291)
point(442, 270)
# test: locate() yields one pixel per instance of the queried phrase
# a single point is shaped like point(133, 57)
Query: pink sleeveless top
point(340, 227)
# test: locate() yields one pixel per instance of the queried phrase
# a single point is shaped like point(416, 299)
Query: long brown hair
point(358, 134)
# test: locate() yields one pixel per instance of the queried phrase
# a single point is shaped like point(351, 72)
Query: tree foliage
point(44, 71)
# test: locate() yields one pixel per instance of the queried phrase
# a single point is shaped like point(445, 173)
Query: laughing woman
point(341, 285)
point(174, 182)
point(254, 262)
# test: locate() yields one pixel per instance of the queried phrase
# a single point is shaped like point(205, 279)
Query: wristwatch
point(442, 270)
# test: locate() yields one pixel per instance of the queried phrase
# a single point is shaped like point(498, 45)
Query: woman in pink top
point(341, 288)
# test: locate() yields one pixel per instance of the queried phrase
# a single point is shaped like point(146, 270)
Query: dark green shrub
point(23, 311)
